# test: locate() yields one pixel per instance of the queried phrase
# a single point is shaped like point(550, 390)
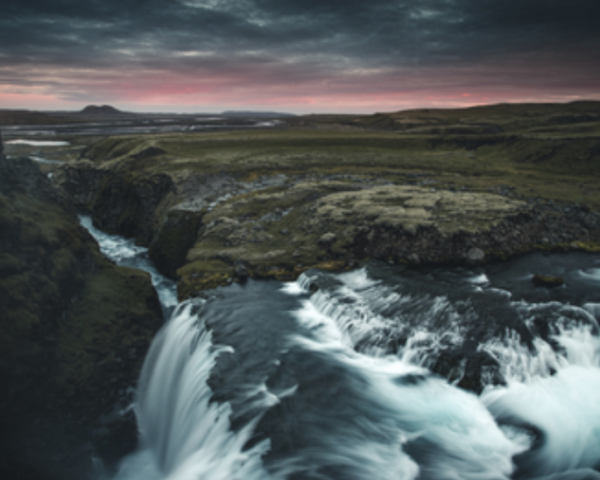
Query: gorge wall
point(74, 330)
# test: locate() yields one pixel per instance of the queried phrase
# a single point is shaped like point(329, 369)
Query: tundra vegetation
point(330, 191)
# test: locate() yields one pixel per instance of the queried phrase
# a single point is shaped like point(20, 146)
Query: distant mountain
point(102, 110)
point(241, 113)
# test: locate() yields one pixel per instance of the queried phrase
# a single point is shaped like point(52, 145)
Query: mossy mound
point(280, 232)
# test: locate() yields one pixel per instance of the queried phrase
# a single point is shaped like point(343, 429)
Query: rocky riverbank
point(211, 230)
point(74, 333)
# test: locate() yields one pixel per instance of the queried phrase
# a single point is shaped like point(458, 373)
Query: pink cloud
point(293, 88)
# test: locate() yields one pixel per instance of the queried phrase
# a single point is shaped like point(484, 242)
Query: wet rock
point(548, 281)
point(176, 235)
point(241, 273)
point(132, 206)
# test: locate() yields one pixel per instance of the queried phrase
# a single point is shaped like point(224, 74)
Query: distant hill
point(241, 113)
point(566, 118)
point(100, 110)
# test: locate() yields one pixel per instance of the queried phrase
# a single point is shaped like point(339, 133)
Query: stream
point(384, 372)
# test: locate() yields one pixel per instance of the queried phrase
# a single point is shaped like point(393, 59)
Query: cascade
point(338, 376)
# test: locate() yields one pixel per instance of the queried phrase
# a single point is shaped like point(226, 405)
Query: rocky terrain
point(74, 332)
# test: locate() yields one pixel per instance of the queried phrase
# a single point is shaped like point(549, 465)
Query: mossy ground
point(542, 152)
point(554, 167)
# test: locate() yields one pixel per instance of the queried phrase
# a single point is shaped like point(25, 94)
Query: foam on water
point(368, 313)
point(46, 161)
point(545, 417)
point(556, 393)
point(590, 274)
point(427, 417)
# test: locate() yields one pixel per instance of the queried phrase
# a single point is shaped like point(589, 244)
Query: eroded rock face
point(74, 330)
point(119, 202)
point(176, 235)
point(280, 232)
point(131, 206)
point(202, 228)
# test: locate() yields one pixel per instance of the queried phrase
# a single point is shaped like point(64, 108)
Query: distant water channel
point(133, 127)
point(332, 376)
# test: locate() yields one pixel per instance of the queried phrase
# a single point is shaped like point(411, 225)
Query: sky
point(297, 56)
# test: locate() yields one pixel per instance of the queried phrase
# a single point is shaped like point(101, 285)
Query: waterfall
point(183, 436)
point(334, 376)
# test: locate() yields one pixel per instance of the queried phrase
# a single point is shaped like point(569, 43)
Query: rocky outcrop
point(119, 202)
point(176, 235)
point(74, 329)
point(81, 182)
point(131, 206)
point(335, 225)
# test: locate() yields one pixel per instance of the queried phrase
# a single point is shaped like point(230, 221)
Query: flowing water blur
point(380, 373)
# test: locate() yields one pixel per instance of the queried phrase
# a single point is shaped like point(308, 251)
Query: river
point(384, 372)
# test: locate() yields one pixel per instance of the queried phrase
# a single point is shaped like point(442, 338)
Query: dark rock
point(241, 274)
point(547, 281)
point(149, 153)
point(119, 202)
point(176, 235)
point(81, 182)
point(132, 206)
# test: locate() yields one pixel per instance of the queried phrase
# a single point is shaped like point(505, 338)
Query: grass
point(552, 167)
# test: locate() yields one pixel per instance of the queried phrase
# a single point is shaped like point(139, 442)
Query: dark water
point(357, 376)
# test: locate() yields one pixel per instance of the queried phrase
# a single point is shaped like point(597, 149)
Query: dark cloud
point(396, 32)
point(301, 40)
